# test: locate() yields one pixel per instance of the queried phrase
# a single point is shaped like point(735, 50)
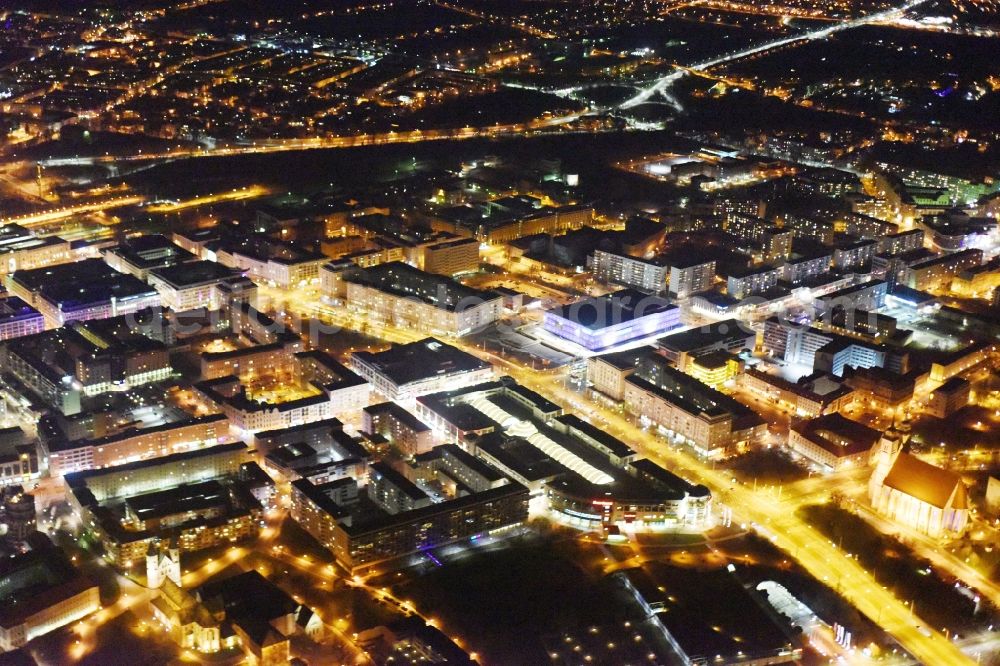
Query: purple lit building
point(614, 319)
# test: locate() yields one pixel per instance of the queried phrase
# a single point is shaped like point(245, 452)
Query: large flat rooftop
point(611, 309)
point(193, 273)
point(405, 281)
point(424, 359)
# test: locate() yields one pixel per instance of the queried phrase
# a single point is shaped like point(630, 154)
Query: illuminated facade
point(715, 368)
point(65, 457)
point(334, 390)
point(192, 285)
point(81, 291)
point(833, 442)
point(21, 250)
point(939, 271)
point(916, 494)
point(648, 497)
point(400, 428)
point(273, 262)
point(818, 395)
point(647, 275)
point(612, 320)
point(42, 592)
point(17, 319)
point(198, 512)
point(401, 295)
point(451, 257)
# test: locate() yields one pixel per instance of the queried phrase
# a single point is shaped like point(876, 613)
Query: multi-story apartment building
point(398, 426)
point(815, 349)
point(855, 256)
point(336, 390)
point(712, 422)
point(939, 271)
point(249, 362)
point(356, 543)
point(752, 280)
point(606, 373)
point(799, 270)
point(402, 295)
point(688, 273)
point(63, 457)
point(817, 395)
point(392, 491)
point(451, 257)
point(188, 507)
point(614, 268)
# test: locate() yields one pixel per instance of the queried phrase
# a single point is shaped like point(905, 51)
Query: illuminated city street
point(473, 332)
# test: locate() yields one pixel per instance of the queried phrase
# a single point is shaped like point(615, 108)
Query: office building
point(139, 256)
point(193, 285)
point(816, 349)
point(18, 319)
point(269, 261)
point(22, 250)
point(729, 335)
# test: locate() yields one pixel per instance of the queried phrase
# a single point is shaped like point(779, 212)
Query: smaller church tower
point(172, 563)
point(154, 579)
point(883, 457)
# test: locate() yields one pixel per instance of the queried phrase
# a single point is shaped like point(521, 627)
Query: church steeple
point(883, 457)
